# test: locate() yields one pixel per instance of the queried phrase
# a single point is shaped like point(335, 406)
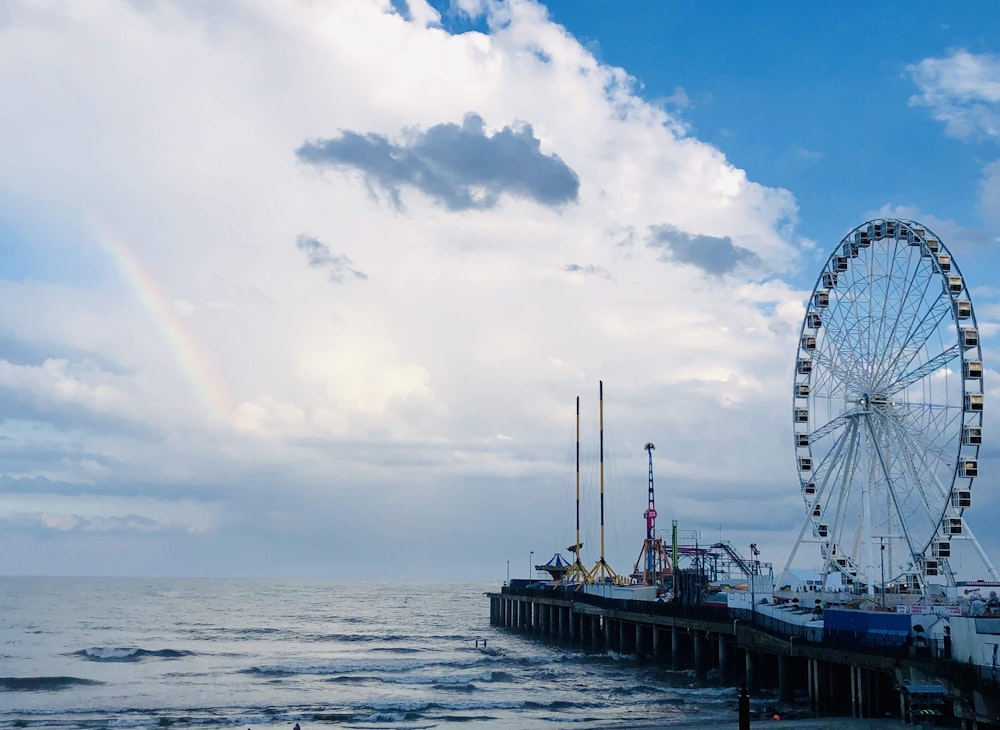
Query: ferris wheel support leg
point(982, 553)
point(798, 541)
point(849, 437)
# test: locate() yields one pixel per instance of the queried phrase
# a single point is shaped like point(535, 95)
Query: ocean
point(217, 653)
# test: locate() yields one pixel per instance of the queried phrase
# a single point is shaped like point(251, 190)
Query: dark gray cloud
point(461, 167)
point(715, 256)
point(589, 270)
point(339, 268)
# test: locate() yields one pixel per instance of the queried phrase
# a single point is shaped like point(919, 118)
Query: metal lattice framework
point(888, 409)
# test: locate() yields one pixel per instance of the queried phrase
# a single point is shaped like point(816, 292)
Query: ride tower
point(653, 566)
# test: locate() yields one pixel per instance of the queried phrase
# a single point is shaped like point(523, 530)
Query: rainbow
point(186, 351)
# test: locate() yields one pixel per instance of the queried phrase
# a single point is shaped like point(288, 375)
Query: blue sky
point(280, 288)
point(821, 101)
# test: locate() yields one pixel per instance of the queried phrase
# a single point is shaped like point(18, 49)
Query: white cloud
point(446, 376)
point(963, 91)
point(989, 192)
point(960, 240)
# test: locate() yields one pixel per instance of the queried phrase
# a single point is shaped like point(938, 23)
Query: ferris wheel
point(888, 410)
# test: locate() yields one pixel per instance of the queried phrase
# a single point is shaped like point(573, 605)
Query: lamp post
point(531, 563)
point(508, 572)
point(882, 556)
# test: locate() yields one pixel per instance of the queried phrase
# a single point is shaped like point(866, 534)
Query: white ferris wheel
point(888, 411)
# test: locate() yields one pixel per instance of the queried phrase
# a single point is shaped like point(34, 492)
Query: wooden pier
point(746, 647)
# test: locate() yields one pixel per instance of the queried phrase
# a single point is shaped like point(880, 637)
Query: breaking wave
point(42, 684)
point(127, 654)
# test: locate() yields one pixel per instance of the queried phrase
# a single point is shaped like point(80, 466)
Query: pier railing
point(874, 642)
point(647, 608)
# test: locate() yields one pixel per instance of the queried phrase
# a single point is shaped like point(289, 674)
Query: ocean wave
point(389, 717)
point(357, 638)
point(268, 672)
point(353, 679)
point(127, 654)
point(43, 684)
point(435, 682)
point(466, 718)
point(227, 633)
point(350, 666)
point(635, 689)
point(398, 649)
point(556, 705)
point(340, 717)
point(721, 693)
point(431, 709)
point(456, 687)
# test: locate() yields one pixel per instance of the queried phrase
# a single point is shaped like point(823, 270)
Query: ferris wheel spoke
point(828, 428)
point(910, 329)
point(845, 473)
point(895, 298)
point(923, 483)
point(934, 422)
point(884, 305)
point(890, 484)
point(839, 373)
point(920, 449)
point(920, 372)
point(829, 466)
point(914, 345)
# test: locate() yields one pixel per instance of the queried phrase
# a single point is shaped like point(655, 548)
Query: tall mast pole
point(602, 571)
point(577, 482)
point(601, 413)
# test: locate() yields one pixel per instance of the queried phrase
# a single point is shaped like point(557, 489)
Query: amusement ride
point(888, 412)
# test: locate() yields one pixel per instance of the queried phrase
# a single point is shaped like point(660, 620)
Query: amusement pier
point(887, 406)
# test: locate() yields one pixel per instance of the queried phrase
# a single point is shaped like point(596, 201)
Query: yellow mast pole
point(602, 570)
point(577, 566)
point(601, 413)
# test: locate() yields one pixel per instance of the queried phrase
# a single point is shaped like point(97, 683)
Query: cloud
point(589, 270)
point(959, 239)
point(462, 167)
point(989, 192)
point(74, 523)
point(339, 268)
point(444, 387)
point(963, 91)
point(717, 256)
point(806, 153)
point(62, 523)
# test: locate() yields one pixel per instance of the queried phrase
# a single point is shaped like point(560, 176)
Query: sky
point(311, 288)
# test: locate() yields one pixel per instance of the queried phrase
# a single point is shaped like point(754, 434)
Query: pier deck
point(764, 652)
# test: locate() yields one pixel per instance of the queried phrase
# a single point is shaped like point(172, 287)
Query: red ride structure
point(653, 564)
